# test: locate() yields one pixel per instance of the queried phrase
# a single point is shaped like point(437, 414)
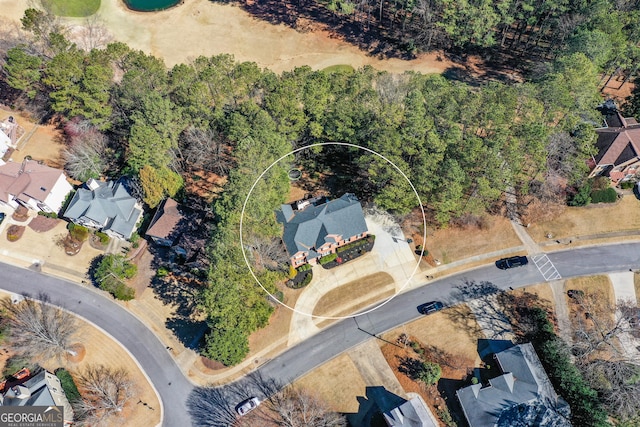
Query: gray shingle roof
point(308, 229)
point(109, 205)
point(524, 382)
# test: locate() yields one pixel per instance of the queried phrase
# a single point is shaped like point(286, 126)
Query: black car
point(430, 307)
point(2, 215)
point(514, 261)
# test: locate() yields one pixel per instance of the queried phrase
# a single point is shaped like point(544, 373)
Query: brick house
point(618, 146)
point(317, 227)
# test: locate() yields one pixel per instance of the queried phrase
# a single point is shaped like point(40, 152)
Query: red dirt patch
point(80, 351)
point(454, 367)
point(41, 224)
point(204, 184)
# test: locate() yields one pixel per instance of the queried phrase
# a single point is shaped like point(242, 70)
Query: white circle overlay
point(345, 144)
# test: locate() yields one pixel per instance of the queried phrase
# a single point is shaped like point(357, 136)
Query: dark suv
point(514, 261)
point(430, 307)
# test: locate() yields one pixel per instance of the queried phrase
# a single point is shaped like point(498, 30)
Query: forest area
point(124, 113)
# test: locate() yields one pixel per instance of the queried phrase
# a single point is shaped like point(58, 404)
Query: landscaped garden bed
point(348, 252)
point(15, 232)
point(302, 278)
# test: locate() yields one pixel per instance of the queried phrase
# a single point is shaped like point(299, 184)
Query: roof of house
point(43, 389)
point(165, 220)
point(310, 228)
point(27, 180)
point(107, 203)
point(523, 381)
point(619, 141)
point(412, 413)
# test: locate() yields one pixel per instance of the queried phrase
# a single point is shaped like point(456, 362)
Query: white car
point(247, 406)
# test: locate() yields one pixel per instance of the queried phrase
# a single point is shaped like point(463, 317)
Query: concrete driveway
point(391, 254)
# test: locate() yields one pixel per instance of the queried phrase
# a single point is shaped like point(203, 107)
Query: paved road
point(327, 344)
point(124, 327)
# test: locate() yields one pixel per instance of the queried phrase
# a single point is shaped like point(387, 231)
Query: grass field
point(74, 8)
point(455, 243)
point(357, 294)
point(589, 220)
point(338, 68)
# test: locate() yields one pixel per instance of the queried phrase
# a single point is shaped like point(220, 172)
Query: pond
point(150, 5)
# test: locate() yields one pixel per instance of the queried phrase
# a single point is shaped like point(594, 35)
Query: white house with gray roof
point(319, 228)
point(43, 389)
point(106, 206)
point(522, 395)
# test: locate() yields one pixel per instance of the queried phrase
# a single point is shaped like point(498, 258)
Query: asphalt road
point(150, 353)
point(175, 389)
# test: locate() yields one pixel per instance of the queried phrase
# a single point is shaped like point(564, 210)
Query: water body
point(150, 5)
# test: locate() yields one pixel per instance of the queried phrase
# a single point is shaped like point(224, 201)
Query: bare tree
point(105, 393)
point(87, 153)
point(269, 253)
point(598, 331)
point(39, 330)
point(294, 407)
point(618, 384)
point(92, 34)
point(206, 149)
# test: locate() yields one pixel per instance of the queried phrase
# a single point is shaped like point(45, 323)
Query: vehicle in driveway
point(514, 261)
point(247, 406)
point(430, 307)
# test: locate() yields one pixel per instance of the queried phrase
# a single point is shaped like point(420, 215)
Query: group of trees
point(125, 113)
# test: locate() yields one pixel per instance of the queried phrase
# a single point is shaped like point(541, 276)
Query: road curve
point(174, 388)
point(146, 348)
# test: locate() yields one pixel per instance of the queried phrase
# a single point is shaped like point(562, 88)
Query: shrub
point(78, 232)
point(123, 292)
point(104, 238)
point(135, 240)
point(582, 196)
point(162, 272)
point(306, 281)
point(627, 185)
point(304, 267)
point(48, 214)
point(68, 385)
point(14, 232)
point(327, 259)
point(604, 196)
point(429, 373)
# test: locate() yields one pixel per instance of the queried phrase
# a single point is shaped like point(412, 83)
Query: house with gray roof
point(521, 395)
point(105, 206)
point(319, 227)
point(43, 389)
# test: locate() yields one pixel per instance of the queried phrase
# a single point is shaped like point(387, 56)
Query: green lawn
point(339, 68)
point(74, 8)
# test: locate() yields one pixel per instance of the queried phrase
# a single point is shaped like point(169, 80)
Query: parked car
point(430, 307)
point(2, 215)
point(575, 293)
point(247, 406)
point(514, 261)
